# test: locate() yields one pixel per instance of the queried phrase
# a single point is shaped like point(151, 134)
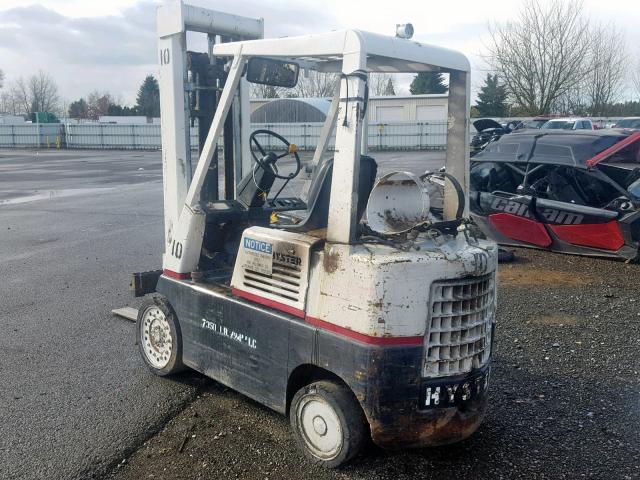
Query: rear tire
point(328, 423)
point(158, 337)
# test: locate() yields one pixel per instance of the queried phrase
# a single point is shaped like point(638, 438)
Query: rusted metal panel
point(381, 291)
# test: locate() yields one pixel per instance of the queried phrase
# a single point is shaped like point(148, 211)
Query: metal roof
point(291, 110)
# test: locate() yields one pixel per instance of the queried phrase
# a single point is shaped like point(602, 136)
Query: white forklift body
point(320, 317)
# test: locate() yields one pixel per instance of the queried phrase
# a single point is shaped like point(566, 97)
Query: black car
point(488, 131)
point(565, 191)
point(535, 122)
point(632, 123)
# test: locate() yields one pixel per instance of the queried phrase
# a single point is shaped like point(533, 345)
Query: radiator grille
point(284, 281)
point(458, 336)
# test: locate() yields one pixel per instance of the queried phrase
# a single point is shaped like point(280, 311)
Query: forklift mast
point(351, 54)
point(190, 87)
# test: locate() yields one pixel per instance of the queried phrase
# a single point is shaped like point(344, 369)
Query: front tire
point(158, 337)
point(328, 423)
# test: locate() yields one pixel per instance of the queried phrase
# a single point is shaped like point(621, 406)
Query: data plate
point(258, 256)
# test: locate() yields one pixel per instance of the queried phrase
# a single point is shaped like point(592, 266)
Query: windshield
point(629, 154)
point(629, 123)
point(535, 123)
point(558, 125)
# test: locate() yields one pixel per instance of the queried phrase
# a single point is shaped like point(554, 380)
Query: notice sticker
point(259, 256)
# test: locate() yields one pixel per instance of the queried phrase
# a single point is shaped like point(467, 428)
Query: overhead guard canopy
point(326, 51)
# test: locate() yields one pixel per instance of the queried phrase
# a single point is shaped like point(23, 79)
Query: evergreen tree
point(428, 82)
point(148, 100)
point(79, 109)
point(120, 111)
point(492, 98)
point(389, 90)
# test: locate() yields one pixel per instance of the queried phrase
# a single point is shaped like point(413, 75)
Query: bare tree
point(573, 102)
point(540, 56)
point(98, 104)
point(7, 103)
point(5, 97)
point(607, 64)
point(258, 90)
point(635, 77)
point(43, 93)
point(20, 97)
point(379, 84)
point(315, 84)
point(38, 93)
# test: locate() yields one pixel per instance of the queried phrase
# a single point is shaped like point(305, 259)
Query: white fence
point(382, 136)
point(27, 135)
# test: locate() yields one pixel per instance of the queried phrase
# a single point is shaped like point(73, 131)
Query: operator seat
point(317, 216)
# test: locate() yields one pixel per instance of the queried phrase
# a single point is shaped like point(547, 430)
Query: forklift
point(358, 309)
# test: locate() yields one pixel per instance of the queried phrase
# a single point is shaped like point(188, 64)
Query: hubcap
point(156, 337)
point(320, 427)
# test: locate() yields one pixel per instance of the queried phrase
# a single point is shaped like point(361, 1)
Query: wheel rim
point(157, 343)
point(320, 427)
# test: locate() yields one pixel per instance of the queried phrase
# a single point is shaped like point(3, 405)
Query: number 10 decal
point(164, 56)
point(176, 249)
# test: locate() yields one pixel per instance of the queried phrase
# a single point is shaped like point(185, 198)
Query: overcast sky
point(110, 45)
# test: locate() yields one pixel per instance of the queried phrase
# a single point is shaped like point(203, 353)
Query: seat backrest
point(320, 194)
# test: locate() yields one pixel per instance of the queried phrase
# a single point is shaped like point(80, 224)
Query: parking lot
point(78, 402)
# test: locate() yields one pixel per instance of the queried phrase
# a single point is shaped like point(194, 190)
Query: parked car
point(488, 131)
point(568, 124)
point(565, 191)
point(535, 122)
point(630, 122)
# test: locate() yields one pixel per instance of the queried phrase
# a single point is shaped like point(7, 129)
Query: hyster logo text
point(257, 246)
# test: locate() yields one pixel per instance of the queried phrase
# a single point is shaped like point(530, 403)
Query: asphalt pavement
point(73, 226)
point(75, 398)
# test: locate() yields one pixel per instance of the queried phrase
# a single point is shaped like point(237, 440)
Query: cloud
point(115, 52)
point(126, 39)
point(111, 45)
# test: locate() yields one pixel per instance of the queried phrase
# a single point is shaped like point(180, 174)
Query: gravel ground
point(564, 396)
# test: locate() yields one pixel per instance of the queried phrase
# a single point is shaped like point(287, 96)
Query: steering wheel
point(268, 160)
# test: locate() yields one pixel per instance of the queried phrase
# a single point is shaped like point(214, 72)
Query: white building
point(129, 120)
point(7, 119)
point(409, 108)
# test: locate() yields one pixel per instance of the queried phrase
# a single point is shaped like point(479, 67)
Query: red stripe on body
point(268, 303)
point(345, 332)
point(176, 275)
point(361, 337)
